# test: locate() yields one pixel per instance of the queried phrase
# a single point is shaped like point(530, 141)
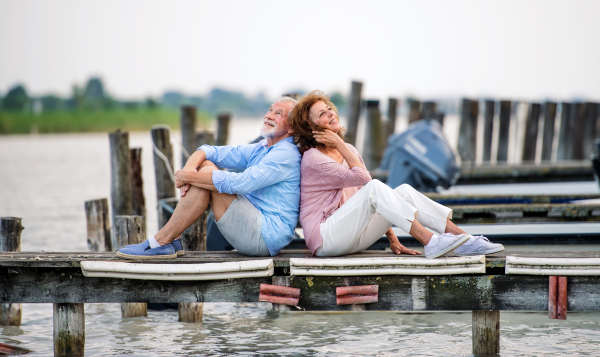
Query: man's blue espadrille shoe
point(143, 251)
point(178, 247)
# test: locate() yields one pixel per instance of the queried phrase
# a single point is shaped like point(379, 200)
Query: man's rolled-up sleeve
point(276, 166)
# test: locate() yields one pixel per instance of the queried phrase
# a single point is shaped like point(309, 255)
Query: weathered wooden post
point(549, 112)
point(205, 137)
point(69, 330)
point(163, 168)
point(531, 132)
point(577, 132)
point(467, 137)
point(188, 132)
point(194, 238)
point(120, 173)
point(354, 106)
point(414, 110)
point(429, 110)
point(295, 95)
point(373, 148)
point(223, 121)
point(98, 225)
point(589, 128)
point(10, 241)
point(486, 332)
point(281, 281)
point(392, 113)
point(504, 115)
point(564, 137)
point(130, 230)
point(138, 201)
point(488, 127)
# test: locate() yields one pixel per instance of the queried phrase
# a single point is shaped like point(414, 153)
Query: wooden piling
point(223, 121)
point(281, 281)
point(138, 201)
point(374, 141)
point(504, 115)
point(120, 174)
point(354, 106)
point(552, 290)
point(69, 330)
point(549, 117)
point(467, 137)
point(194, 238)
point(205, 138)
point(98, 225)
point(488, 126)
point(190, 312)
point(295, 95)
point(130, 230)
point(561, 299)
point(10, 241)
point(414, 111)
point(165, 185)
point(589, 124)
point(566, 127)
point(486, 332)
point(577, 132)
point(531, 132)
point(429, 110)
point(188, 132)
point(392, 114)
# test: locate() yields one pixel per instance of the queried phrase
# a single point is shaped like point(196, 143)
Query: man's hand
point(180, 181)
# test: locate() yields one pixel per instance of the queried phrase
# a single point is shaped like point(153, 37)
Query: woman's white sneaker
point(441, 244)
point(478, 245)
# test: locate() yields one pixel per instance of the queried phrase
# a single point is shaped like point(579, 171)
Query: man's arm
point(202, 179)
point(195, 160)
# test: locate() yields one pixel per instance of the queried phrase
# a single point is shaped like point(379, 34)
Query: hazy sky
point(512, 49)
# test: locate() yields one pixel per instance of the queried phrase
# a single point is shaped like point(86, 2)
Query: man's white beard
point(267, 133)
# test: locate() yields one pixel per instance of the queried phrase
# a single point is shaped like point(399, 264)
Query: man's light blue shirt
point(270, 181)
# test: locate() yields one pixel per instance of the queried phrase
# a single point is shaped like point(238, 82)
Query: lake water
point(45, 179)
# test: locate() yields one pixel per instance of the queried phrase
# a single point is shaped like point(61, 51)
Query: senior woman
point(344, 211)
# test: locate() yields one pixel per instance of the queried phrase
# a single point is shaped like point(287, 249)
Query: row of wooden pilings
point(567, 128)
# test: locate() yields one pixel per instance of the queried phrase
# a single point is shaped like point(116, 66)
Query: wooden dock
point(57, 278)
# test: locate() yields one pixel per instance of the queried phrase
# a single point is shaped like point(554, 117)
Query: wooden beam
point(354, 106)
point(374, 141)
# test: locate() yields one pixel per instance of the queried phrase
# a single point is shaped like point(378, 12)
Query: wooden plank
point(564, 131)
point(223, 121)
point(120, 174)
point(138, 201)
point(545, 172)
point(187, 121)
point(504, 115)
point(467, 136)
point(476, 198)
point(414, 110)
point(488, 126)
point(392, 111)
point(165, 186)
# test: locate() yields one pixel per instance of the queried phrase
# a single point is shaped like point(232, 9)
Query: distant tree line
point(93, 97)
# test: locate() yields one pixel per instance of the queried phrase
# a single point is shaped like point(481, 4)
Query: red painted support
point(562, 298)
point(350, 295)
point(553, 281)
point(279, 294)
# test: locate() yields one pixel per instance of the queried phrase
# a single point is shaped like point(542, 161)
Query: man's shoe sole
point(450, 248)
point(147, 257)
point(180, 253)
point(489, 251)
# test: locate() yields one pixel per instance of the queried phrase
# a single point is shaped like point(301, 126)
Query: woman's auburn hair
point(301, 125)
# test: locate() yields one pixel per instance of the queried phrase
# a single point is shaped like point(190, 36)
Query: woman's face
point(321, 114)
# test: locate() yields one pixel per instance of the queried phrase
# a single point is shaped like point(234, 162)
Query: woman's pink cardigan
point(324, 187)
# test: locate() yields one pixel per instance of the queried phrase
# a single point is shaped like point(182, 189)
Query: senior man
point(256, 210)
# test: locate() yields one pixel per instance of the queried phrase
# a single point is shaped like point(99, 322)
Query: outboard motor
point(421, 157)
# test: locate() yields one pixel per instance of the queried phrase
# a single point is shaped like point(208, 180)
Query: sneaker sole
point(450, 248)
point(489, 251)
point(146, 257)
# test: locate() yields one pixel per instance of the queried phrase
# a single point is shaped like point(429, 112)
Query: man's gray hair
point(287, 100)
